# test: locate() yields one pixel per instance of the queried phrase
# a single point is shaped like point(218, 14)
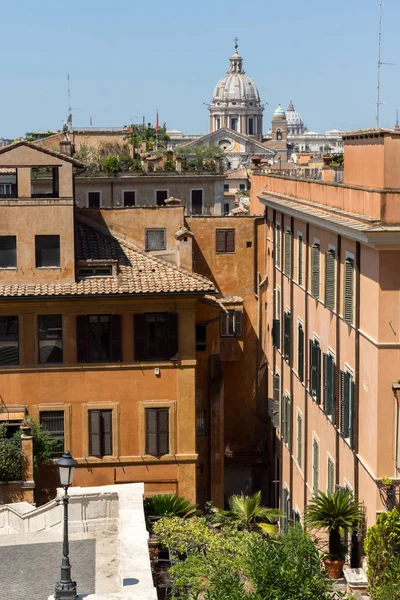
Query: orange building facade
point(330, 327)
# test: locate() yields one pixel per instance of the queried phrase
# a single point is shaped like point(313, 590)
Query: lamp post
point(66, 588)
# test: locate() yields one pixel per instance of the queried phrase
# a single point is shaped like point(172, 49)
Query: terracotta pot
point(334, 568)
point(153, 545)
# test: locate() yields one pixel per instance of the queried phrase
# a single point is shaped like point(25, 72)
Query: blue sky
point(127, 58)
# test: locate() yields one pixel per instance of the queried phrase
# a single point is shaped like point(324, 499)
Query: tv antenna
point(380, 63)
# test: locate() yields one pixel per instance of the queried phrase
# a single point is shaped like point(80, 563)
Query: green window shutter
point(311, 366)
point(342, 403)
point(347, 405)
point(276, 402)
point(288, 253)
point(300, 259)
point(287, 337)
point(315, 271)
point(283, 416)
point(348, 290)
point(330, 280)
point(325, 378)
point(276, 333)
point(315, 467)
point(288, 421)
point(300, 352)
point(299, 440)
point(329, 384)
point(350, 393)
point(331, 476)
point(317, 351)
point(278, 246)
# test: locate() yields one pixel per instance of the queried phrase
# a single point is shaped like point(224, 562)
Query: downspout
point(78, 172)
point(336, 416)
point(292, 412)
point(355, 543)
point(306, 369)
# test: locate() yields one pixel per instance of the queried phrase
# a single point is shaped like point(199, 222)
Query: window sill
point(53, 268)
point(8, 268)
point(138, 459)
point(98, 366)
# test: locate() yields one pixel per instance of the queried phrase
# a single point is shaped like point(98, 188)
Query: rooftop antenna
point(69, 119)
point(378, 87)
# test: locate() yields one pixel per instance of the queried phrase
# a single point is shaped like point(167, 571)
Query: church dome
point(236, 86)
point(279, 112)
point(294, 120)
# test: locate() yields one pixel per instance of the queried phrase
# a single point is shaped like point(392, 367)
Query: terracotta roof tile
point(138, 272)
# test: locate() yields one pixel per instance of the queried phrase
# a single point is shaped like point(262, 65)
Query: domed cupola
point(294, 121)
point(236, 102)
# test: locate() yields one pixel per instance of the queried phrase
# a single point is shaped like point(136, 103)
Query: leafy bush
point(382, 545)
point(165, 505)
point(111, 165)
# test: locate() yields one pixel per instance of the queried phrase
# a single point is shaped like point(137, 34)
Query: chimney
point(66, 147)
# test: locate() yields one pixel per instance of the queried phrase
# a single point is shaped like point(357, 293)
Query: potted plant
point(337, 513)
point(387, 483)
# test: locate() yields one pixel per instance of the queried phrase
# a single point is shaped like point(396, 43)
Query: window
point(201, 423)
point(329, 384)
point(276, 324)
point(226, 208)
point(201, 338)
point(348, 298)
point(53, 422)
point(250, 126)
point(8, 251)
point(226, 187)
point(5, 189)
point(278, 134)
point(288, 254)
point(161, 197)
point(346, 405)
point(287, 336)
point(93, 199)
point(300, 260)
point(99, 338)
point(231, 323)
point(315, 271)
point(156, 336)
point(315, 370)
point(91, 271)
point(330, 487)
point(224, 241)
point(129, 198)
point(50, 339)
point(197, 202)
point(315, 467)
point(218, 123)
point(286, 426)
point(242, 187)
point(100, 433)
point(275, 413)
point(234, 124)
point(9, 351)
point(285, 522)
point(277, 245)
point(47, 250)
point(155, 239)
point(300, 352)
point(299, 455)
point(49, 182)
point(330, 264)
point(157, 431)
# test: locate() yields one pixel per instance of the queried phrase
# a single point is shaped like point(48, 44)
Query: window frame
point(202, 200)
point(300, 364)
point(115, 420)
point(12, 364)
point(56, 406)
point(315, 271)
point(39, 339)
point(315, 468)
point(287, 258)
point(299, 439)
point(233, 323)
point(315, 391)
point(201, 346)
point(59, 452)
point(100, 192)
point(330, 303)
point(155, 196)
point(346, 373)
point(329, 460)
point(149, 230)
point(278, 245)
point(172, 336)
point(15, 250)
point(300, 258)
point(349, 318)
point(114, 324)
point(226, 231)
point(55, 266)
point(142, 428)
point(123, 192)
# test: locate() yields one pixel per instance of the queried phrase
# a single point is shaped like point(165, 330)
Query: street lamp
point(66, 588)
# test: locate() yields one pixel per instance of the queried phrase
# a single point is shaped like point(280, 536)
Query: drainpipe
point(292, 411)
point(306, 369)
point(336, 416)
point(355, 557)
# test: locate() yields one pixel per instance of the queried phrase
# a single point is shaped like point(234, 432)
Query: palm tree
point(165, 505)
point(248, 513)
point(337, 512)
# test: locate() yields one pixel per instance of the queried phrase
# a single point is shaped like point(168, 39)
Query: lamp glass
point(66, 475)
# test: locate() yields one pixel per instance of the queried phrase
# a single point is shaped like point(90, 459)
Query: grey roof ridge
point(132, 246)
point(318, 206)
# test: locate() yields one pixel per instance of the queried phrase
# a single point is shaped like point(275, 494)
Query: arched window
point(279, 134)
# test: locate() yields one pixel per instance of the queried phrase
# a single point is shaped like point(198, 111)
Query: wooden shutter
point(348, 290)
point(163, 431)
point(224, 324)
point(220, 241)
point(329, 385)
point(330, 280)
point(276, 333)
point(288, 421)
point(299, 440)
point(288, 253)
point(116, 338)
point(317, 351)
point(286, 334)
point(300, 265)
point(315, 467)
point(106, 432)
point(278, 246)
point(325, 378)
point(342, 401)
point(276, 402)
point(238, 323)
point(315, 271)
point(349, 390)
point(82, 338)
point(151, 431)
point(230, 240)
point(311, 366)
point(172, 336)
point(300, 350)
point(140, 337)
point(94, 433)
point(283, 416)
point(331, 476)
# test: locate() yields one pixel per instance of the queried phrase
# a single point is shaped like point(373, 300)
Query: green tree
point(382, 545)
point(337, 513)
point(248, 513)
point(147, 134)
point(111, 165)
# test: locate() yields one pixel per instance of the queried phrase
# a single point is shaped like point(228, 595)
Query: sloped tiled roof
point(138, 272)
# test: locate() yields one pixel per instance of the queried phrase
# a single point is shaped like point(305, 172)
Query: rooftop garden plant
point(382, 546)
